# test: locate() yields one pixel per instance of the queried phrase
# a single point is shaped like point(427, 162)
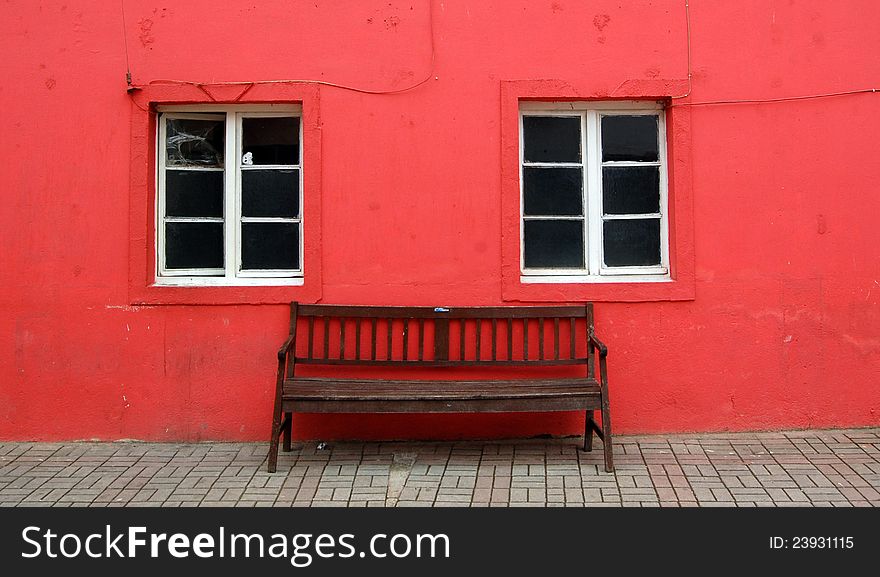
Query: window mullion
point(230, 194)
point(593, 191)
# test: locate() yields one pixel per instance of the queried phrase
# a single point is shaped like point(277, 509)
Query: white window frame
point(231, 274)
point(591, 163)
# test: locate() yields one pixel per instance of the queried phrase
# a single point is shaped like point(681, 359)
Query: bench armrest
point(282, 352)
point(603, 350)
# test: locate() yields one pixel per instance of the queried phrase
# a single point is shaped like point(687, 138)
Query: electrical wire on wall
point(125, 44)
point(248, 84)
point(780, 99)
point(687, 14)
point(687, 19)
point(251, 83)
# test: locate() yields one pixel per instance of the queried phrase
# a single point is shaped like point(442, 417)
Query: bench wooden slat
point(441, 339)
point(479, 338)
point(311, 335)
point(438, 364)
point(365, 389)
point(389, 336)
point(342, 338)
point(400, 312)
point(591, 361)
point(405, 338)
point(509, 405)
point(461, 343)
point(556, 338)
point(541, 339)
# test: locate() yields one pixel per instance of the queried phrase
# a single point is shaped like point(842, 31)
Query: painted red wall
point(778, 324)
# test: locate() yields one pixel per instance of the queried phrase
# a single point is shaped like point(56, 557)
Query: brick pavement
point(819, 468)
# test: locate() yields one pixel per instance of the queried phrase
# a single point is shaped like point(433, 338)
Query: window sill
point(196, 282)
point(587, 279)
point(249, 294)
point(598, 289)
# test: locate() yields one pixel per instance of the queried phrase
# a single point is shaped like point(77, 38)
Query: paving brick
point(519, 495)
point(811, 468)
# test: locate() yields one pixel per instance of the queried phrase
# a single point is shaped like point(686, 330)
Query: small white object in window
point(248, 158)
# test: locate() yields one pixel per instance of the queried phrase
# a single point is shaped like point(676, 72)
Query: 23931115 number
point(822, 543)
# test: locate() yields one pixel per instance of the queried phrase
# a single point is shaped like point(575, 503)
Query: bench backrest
point(442, 337)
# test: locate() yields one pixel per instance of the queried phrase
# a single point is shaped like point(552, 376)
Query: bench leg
point(273, 451)
point(606, 437)
point(277, 423)
point(288, 428)
point(588, 431)
point(273, 447)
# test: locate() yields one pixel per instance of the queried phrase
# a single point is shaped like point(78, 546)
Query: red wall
point(778, 325)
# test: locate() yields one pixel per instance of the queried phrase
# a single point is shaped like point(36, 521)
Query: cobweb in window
point(194, 142)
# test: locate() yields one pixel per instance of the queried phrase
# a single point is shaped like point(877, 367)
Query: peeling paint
point(126, 308)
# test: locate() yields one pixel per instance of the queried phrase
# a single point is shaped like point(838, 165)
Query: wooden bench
point(331, 363)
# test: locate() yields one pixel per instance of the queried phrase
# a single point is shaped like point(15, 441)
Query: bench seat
point(320, 395)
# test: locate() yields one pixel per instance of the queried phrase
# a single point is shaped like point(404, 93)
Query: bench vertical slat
point(441, 340)
point(541, 339)
point(461, 328)
point(571, 336)
point(509, 339)
point(373, 339)
point(421, 339)
point(405, 338)
point(342, 338)
point(311, 336)
point(525, 339)
point(591, 360)
point(357, 339)
point(390, 336)
point(291, 358)
point(494, 338)
point(326, 337)
point(556, 338)
point(479, 337)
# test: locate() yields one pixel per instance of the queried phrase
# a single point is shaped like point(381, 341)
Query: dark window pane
point(630, 189)
point(629, 138)
point(553, 191)
point(632, 242)
point(193, 245)
point(270, 193)
point(554, 243)
point(269, 245)
point(552, 138)
point(194, 193)
point(194, 142)
point(270, 140)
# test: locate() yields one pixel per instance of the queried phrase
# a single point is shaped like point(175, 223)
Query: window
point(229, 202)
point(593, 192)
